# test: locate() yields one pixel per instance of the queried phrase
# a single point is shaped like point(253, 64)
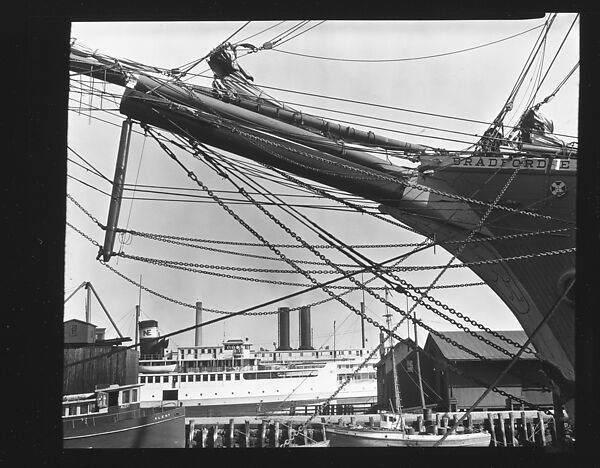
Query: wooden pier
point(264, 434)
point(507, 428)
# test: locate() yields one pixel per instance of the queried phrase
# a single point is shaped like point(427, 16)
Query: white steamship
point(233, 379)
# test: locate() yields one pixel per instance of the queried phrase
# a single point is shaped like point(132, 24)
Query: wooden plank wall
point(119, 368)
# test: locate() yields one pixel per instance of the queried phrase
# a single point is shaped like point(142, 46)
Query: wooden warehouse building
point(447, 391)
point(84, 341)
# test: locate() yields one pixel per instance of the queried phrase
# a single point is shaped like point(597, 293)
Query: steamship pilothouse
point(233, 379)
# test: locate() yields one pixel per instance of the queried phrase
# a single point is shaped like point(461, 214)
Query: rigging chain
point(386, 178)
point(368, 319)
point(168, 238)
point(194, 178)
point(384, 269)
point(415, 298)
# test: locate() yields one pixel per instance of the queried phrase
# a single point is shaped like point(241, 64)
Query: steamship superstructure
point(232, 378)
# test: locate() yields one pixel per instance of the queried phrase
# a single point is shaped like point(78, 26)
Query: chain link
point(78, 205)
point(166, 237)
point(454, 322)
point(387, 178)
point(84, 235)
point(370, 320)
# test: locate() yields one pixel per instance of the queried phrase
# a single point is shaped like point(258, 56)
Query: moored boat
point(389, 435)
point(111, 417)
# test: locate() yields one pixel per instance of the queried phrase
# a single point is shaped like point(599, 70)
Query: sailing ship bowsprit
point(505, 208)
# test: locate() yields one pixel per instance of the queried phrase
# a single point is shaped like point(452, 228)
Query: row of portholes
point(217, 394)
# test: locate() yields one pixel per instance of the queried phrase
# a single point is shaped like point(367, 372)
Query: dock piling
point(276, 438)
point(263, 434)
point(246, 434)
point(190, 440)
point(513, 438)
point(502, 429)
point(204, 437)
point(231, 438)
point(492, 429)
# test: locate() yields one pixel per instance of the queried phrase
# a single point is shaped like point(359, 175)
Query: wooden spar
point(286, 155)
point(317, 123)
point(117, 191)
point(175, 93)
point(80, 62)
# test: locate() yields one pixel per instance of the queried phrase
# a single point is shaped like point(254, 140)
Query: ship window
point(237, 376)
point(74, 329)
point(212, 377)
point(220, 377)
point(150, 379)
point(227, 376)
point(197, 379)
point(134, 395)
point(174, 378)
point(205, 378)
point(125, 397)
point(142, 379)
point(83, 409)
point(72, 410)
point(165, 378)
point(184, 378)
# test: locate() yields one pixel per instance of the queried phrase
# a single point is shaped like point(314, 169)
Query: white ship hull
point(310, 386)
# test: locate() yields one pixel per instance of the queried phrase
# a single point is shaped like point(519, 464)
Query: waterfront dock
point(510, 428)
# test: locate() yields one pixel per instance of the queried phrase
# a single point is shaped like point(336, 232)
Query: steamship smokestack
point(305, 335)
point(283, 323)
point(150, 341)
point(198, 335)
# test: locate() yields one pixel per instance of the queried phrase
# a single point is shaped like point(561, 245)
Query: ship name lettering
point(516, 162)
point(480, 162)
point(541, 164)
point(564, 164)
point(468, 162)
point(528, 163)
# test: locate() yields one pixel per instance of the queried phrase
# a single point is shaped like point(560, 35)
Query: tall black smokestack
point(283, 322)
point(198, 333)
point(305, 335)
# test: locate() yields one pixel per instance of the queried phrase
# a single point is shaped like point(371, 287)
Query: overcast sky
point(471, 85)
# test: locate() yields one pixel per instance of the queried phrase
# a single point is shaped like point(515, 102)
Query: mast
point(418, 363)
point(362, 316)
point(334, 353)
point(392, 350)
point(138, 308)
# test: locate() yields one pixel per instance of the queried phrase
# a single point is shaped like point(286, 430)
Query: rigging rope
point(409, 58)
point(279, 42)
point(555, 56)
